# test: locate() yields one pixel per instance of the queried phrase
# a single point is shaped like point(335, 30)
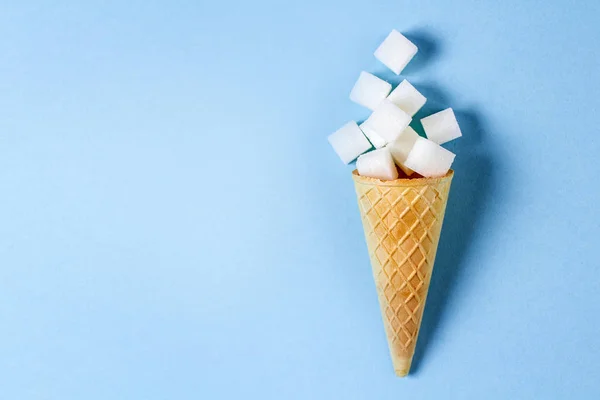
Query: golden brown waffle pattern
point(402, 220)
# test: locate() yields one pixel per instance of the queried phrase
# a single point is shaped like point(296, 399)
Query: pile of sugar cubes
point(396, 144)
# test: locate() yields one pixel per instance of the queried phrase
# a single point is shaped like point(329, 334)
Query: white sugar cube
point(429, 159)
point(387, 121)
point(349, 142)
point(396, 51)
point(401, 147)
point(407, 98)
point(376, 140)
point(441, 127)
point(369, 90)
point(377, 164)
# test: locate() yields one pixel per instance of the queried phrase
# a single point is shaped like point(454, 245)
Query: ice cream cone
point(402, 220)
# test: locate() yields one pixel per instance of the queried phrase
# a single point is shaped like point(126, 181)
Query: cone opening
point(365, 180)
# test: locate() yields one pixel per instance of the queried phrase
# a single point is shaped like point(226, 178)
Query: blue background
point(174, 224)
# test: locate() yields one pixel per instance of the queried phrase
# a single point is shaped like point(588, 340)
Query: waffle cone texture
point(402, 220)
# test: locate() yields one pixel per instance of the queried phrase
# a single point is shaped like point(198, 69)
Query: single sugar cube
point(442, 126)
point(429, 159)
point(376, 140)
point(401, 147)
point(349, 142)
point(369, 90)
point(387, 121)
point(396, 51)
point(377, 164)
point(407, 98)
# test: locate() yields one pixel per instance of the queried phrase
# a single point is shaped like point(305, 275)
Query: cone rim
point(406, 182)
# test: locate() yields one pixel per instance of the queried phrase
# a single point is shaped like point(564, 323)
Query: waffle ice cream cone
point(402, 220)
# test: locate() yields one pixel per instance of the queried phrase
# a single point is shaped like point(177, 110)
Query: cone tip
point(402, 366)
point(401, 373)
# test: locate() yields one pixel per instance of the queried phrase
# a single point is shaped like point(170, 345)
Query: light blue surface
point(174, 224)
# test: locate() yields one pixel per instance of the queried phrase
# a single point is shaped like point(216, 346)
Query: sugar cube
point(401, 147)
point(387, 121)
point(349, 142)
point(376, 140)
point(396, 51)
point(429, 159)
point(377, 164)
point(442, 126)
point(369, 90)
point(407, 98)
